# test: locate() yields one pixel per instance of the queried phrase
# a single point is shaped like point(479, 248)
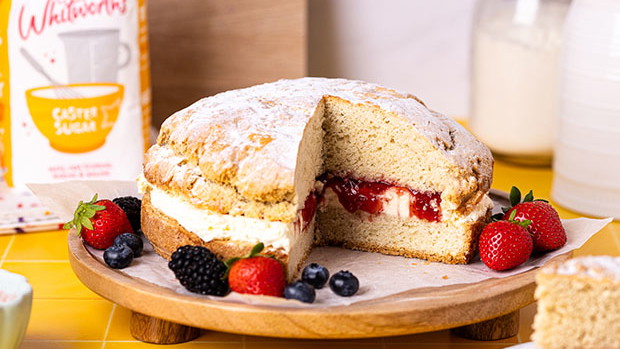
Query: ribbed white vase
point(587, 148)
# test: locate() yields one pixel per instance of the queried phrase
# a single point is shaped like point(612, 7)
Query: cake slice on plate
point(578, 304)
point(316, 161)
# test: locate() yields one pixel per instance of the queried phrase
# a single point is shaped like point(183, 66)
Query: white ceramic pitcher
point(587, 149)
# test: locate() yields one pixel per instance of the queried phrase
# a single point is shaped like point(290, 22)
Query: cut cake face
point(297, 163)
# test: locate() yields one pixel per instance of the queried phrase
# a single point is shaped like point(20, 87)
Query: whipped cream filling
point(397, 203)
point(209, 225)
point(480, 210)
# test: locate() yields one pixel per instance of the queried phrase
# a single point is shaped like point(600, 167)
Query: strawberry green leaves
point(515, 199)
point(524, 223)
point(82, 215)
point(253, 253)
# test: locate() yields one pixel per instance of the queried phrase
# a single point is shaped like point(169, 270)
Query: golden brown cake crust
point(173, 175)
point(247, 142)
point(166, 235)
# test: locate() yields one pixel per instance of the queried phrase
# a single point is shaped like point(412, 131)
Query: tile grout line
point(107, 328)
point(37, 261)
point(164, 345)
point(482, 344)
point(60, 341)
point(6, 251)
point(93, 298)
point(112, 341)
point(457, 344)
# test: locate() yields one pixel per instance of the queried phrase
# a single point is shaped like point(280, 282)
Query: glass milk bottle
point(515, 58)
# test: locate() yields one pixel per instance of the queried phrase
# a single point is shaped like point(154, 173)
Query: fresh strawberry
point(505, 244)
point(256, 274)
point(546, 228)
point(99, 222)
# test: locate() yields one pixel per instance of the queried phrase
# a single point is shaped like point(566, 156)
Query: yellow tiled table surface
point(65, 314)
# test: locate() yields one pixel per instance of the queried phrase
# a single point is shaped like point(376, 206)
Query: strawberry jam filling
point(371, 197)
point(355, 195)
point(307, 213)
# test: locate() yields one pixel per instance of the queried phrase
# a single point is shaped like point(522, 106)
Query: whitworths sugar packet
point(74, 89)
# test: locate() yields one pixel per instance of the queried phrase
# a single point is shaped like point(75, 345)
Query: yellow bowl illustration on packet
point(75, 118)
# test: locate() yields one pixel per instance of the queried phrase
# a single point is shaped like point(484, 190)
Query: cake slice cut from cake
point(578, 304)
point(315, 161)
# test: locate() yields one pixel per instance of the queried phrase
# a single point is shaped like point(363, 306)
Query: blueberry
point(118, 256)
point(133, 241)
point(316, 275)
point(300, 291)
point(343, 283)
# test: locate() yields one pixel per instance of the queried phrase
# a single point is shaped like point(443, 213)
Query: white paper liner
point(379, 275)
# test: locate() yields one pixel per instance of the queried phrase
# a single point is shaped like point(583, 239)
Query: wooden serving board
point(484, 310)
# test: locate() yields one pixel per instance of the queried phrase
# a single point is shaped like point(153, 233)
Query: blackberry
point(315, 275)
point(132, 206)
point(118, 256)
point(300, 291)
point(344, 283)
point(199, 270)
point(133, 241)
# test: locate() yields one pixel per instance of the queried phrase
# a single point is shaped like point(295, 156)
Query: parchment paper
point(379, 275)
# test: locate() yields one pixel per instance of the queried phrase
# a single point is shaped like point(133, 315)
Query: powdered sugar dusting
point(597, 267)
point(227, 133)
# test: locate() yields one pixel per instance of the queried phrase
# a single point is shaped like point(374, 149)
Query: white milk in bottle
point(515, 57)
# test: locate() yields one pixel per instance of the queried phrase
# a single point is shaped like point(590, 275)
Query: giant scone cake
point(315, 161)
point(578, 304)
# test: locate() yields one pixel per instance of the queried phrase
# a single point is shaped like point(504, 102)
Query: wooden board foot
point(152, 330)
point(498, 328)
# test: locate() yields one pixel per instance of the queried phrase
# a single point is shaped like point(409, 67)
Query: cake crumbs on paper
point(445, 277)
point(426, 263)
point(414, 263)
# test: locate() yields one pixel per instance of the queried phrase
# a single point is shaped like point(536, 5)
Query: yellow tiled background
point(65, 314)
